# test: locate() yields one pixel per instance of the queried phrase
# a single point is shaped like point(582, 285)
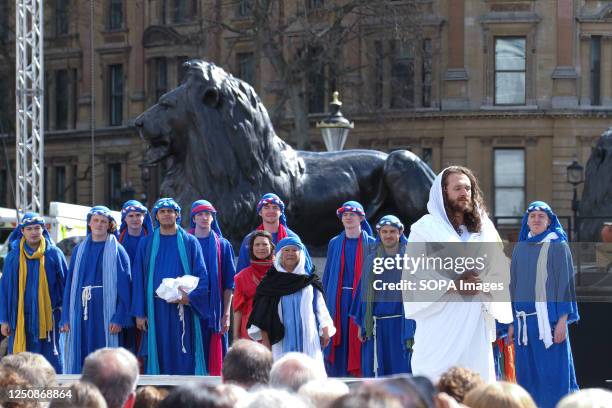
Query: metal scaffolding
point(30, 105)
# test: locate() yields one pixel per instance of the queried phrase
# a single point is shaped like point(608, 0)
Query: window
point(379, 74)
point(595, 70)
point(402, 76)
point(116, 94)
point(4, 12)
point(45, 196)
point(115, 14)
point(427, 72)
point(180, 70)
point(510, 67)
point(426, 156)
point(61, 16)
point(509, 183)
point(246, 67)
point(60, 183)
point(75, 179)
point(314, 4)
point(161, 77)
point(114, 185)
point(73, 96)
point(62, 88)
point(46, 100)
point(316, 91)
point(183, 10)
point(245, 8)
point(3, 187)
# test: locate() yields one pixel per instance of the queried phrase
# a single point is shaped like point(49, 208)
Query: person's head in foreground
point(82, 395)
point(500, 394)
point(196, 396)
point(32, 366)
point(587, 398)
point(149, 397)
point(247, 363)
point(323, 393)
point(458, 381)
point(115, 372)
point(293, 370)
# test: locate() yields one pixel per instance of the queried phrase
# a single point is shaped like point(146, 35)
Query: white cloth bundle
point(169, 287)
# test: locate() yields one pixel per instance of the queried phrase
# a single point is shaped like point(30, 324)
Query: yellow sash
point(45, 315)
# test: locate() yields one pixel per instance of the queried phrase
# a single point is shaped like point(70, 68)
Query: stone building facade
point(514, 89)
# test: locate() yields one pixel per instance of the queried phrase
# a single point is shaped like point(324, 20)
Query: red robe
point(245, 284)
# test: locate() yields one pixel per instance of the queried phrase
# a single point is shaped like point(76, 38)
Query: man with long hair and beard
point(456, 327)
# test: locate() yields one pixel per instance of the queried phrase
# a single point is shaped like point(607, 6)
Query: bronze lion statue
point(219, 144)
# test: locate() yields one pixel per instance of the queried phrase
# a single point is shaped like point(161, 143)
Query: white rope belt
point(376, 318)
point(181, 312)
point(86, 297)
point(519, 316)
point(55, 352)
point(346, 288)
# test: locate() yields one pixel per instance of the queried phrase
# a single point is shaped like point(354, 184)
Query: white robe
point(449, 331)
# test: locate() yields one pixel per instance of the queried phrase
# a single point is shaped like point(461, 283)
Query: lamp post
point(575, 177)
point(336, 127)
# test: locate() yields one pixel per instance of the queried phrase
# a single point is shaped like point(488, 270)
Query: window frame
point(115, 100)
point(495, 187)
point(496, 71)
point(113, 6)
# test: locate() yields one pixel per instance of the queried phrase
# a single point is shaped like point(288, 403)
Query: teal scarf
point(152, 360)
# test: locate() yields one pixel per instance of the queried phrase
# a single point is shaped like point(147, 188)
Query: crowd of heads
point(251, 379)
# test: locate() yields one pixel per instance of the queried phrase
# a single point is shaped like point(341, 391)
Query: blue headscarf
point(135, 206)
point(555, 226)
point(165, 203)
point(393, 221)
point(29, 218)
point(201, 206)
point(357, 208)
point(272, 198)
point(289, 241)
point(99, 210)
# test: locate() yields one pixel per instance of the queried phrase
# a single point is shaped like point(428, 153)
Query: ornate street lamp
point(336, 127)
point(575, 176)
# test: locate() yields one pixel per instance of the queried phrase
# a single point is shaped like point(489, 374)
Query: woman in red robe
point(261, 251)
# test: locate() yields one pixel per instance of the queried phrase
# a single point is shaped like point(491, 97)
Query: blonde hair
point(501, 394)
point(587, 398)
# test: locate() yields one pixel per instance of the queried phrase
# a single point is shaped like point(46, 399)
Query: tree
point(308, 43)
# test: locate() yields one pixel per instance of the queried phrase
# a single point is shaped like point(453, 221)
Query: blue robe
point(130, 244)
point(244, 259)
point(547, 374)
point(92, 331)
point(330, 283)
point(393, 330)
point(228, 270)
point(56, 269)
point(169, 327)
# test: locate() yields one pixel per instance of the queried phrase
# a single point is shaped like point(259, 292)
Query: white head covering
point(300, 268)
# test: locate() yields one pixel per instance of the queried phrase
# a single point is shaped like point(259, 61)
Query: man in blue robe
point(345, 256)
point(219, 259)
point(135, 225)
point(31, 290)
point(385, 332)
point(97, 298)
point(173, 341)
point(543, 302)
point(271, 209)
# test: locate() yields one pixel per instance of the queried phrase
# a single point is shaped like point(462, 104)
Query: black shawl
point(265, 303)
